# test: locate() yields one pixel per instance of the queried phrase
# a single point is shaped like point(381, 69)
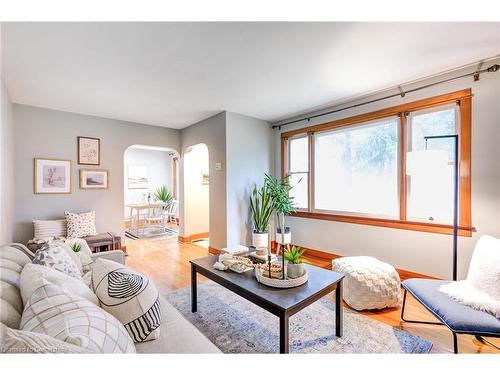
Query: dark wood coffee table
point(281, 302)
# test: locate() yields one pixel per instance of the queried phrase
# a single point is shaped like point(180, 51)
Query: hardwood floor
point(166, 262)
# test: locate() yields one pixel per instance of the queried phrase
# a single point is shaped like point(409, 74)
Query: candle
point(269, 240)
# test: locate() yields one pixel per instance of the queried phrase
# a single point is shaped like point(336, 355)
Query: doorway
point(195, 226)
point(150, 192)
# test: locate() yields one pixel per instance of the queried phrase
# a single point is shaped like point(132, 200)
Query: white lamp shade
point(431, 186)
point(423, 162)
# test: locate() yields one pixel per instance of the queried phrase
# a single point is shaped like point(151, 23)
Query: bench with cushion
point(108, 239)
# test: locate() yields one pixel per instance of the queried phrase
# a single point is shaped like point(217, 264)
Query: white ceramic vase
point(287, 238)
point(260, 239)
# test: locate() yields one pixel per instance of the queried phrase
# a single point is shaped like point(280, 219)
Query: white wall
point(6, 167)
point(249, 148)
point(196, 194)
point(417, 251)
point(159, 164)
point(40, 132)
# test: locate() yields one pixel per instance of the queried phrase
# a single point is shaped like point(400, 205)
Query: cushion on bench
point(456, 316)
point(102, 238)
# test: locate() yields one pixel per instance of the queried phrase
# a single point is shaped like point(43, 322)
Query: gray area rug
point(237, 326)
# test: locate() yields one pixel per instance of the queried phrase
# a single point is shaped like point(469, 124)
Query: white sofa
point(177, 335)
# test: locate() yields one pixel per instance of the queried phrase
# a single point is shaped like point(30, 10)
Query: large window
point(356, 169)
point(372, 169)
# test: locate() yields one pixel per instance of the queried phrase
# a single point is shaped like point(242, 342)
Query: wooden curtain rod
point(402, 93)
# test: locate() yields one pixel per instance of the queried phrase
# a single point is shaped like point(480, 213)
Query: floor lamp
point(430, 161)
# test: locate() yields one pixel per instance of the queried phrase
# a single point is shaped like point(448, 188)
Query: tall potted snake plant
point(261, 208)
point(283, 204)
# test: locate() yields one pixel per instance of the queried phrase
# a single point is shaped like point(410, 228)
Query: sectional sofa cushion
point(49, 229)
point(70, 318)
point(34, 275)
point(12, 258)
point(129, 296)
point(81, 225)
point(17, 341)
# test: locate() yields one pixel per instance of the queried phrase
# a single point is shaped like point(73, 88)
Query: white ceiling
point(175, 74)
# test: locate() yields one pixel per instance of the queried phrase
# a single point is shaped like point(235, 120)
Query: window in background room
point(299, 170)
point(356, 169)
point(430, 180)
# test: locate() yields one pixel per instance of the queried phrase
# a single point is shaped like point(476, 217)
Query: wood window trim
point(464, 98)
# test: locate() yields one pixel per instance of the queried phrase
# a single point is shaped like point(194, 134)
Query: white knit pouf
point(369, 283)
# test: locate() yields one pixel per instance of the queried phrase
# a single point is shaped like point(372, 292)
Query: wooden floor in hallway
point(166, 262)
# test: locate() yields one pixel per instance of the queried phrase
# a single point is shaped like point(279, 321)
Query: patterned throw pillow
point(130, 297)
point(70, 318)
point(56, 257)
point(20, 342)
point(81, 225)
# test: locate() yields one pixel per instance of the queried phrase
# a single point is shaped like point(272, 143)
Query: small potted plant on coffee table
point(294, 257)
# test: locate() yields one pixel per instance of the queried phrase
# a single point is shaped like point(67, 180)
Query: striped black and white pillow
point(48, 229)
point(130, 297)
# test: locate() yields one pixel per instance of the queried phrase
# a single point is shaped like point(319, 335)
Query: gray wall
point(6, 167)
point(417, 251)
point(52, 134)
point(249, 148)
point(211, 132)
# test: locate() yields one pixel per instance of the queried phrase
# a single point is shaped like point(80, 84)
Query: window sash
point(362, 126)
point(409, 142)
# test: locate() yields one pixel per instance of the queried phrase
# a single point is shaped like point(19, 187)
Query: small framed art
point(92, 179)
point(89, 150)
point(52, 176)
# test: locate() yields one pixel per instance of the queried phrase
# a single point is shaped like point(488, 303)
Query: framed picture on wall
point(92, 179)
point(52, 176)
point(89, 150)
point(137, 176)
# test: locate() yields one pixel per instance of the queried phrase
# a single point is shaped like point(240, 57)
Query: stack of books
point(236, 250)
point(261, 258)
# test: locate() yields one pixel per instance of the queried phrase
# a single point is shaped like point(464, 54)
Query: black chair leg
point(413, 321)
point(455, 343)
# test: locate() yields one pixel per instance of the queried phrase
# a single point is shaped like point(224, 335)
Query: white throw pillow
point(56, 256)
point(481, 289)
point(21, 342)
point(49, 229)
point(81, 225)
point(33, 276)
point(130, 297)
point(73, 319)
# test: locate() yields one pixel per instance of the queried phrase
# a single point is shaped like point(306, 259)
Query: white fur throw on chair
point(481, 289)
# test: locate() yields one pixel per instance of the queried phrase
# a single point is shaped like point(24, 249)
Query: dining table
point(142, 211)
